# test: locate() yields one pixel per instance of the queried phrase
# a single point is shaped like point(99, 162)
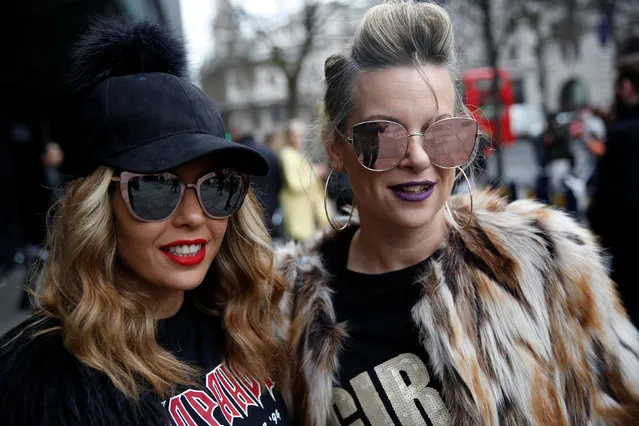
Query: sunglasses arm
point(346, 138)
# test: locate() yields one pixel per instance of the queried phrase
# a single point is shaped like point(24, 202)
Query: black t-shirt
point(224, 398)
point(384, 375)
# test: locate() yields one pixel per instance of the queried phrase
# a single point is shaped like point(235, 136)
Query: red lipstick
point(182, 258)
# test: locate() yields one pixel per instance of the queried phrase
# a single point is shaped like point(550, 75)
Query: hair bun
point(114, 47)
point(333, 64)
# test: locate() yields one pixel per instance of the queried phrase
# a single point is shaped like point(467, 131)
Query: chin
point(413, 222)
point(409, 218)
point(183, 281)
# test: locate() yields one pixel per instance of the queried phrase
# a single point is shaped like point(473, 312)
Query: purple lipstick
point(413, 191)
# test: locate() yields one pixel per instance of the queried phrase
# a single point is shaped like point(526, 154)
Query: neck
point(169, 303)
point(376, 249)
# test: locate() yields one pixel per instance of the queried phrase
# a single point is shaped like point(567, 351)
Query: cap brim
point(176, 150)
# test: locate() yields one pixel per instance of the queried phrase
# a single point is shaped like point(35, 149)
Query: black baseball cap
point(154, 122)
point(138, 111)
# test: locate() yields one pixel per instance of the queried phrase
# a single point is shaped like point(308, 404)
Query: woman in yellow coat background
point(301, 197)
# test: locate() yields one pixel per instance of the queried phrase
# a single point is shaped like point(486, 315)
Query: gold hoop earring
point(328, 216)
point(470, 192)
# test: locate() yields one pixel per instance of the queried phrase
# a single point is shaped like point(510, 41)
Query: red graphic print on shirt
point(229, 400)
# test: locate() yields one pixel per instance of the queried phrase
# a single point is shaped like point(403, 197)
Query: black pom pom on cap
point(115, 47)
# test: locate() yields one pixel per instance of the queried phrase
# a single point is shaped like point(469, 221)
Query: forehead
point(403, 92)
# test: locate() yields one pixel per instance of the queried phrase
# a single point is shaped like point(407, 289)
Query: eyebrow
point(396, 120)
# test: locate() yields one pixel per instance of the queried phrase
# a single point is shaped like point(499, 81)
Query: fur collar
point(518, 315)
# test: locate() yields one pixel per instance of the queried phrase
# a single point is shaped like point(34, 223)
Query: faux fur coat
point(517, 313)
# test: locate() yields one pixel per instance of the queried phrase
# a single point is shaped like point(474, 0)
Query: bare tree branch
point(287, 44)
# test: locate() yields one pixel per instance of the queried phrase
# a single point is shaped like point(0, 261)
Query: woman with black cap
point(157, 302)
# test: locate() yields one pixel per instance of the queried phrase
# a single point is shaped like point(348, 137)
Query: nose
point(416, 157)
point(189, 212)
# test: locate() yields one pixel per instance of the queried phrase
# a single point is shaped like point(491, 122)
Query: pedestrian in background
point(557, 140)
point(267, 188)
point(436, 309)
point(52, 159)
point(614, 211)
point(157, 299)
point(52, 187)
point(273, 141)
point(302, 193)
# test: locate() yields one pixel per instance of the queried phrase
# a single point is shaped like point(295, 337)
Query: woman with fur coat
point(434, 309)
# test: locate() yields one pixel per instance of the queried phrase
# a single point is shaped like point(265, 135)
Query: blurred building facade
point(250, 89)
point(578, 76)
point(579, 72)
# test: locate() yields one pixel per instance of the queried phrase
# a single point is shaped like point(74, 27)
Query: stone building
point(250, 89)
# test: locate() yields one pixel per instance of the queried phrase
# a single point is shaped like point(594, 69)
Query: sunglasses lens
point(450, 142)
point(379, 145)
point(154, 197)
point(223, 192)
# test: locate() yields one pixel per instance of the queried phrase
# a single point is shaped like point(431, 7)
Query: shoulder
point(531, 250)
point(541, 270)
point(523, 225)
point(538, 254)
point(41, 382)
point(302, 265)
point(33, 365)
point(29, 347)
point(308, 257)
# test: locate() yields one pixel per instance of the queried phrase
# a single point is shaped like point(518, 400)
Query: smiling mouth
point(413, 188)
point(184, 250)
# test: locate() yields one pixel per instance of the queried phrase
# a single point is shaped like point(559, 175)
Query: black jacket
point(615, 208)
point(267, 188)
point(616, 202)
point(41, 383)
point(619, 178)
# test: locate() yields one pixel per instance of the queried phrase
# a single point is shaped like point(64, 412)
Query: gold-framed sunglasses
point(380, 145)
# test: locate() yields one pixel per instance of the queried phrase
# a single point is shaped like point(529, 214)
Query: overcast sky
point(197, 16)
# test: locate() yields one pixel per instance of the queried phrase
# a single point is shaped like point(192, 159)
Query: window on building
point(255, 117)
point(519, 90)
point(513, 53)
point(277, 113)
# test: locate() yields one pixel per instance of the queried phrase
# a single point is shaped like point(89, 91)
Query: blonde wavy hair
point(109, 324)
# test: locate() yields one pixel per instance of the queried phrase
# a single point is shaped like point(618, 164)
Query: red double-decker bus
point(478, 96)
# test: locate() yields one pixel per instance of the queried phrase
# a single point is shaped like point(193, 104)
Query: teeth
point(415, 189)
point(185, 250)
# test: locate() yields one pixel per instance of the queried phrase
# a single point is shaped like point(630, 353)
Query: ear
point(334, 150)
